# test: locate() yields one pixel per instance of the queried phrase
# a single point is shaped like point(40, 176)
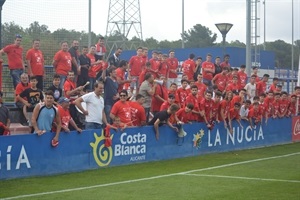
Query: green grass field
point(265, 173)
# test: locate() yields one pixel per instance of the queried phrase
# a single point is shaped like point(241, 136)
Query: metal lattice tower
point(124, 20)
point(255, 32)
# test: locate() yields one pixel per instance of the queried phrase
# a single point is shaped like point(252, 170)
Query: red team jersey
point(123, 111)
point(208, 66)
point(173, 65)
point(36, 59)
point(221, 80)
point(136, 63)
point(64, 64)
point(188, 68)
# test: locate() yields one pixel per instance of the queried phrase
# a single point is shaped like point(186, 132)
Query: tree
point(199, 36)
point(36, 30)
point(9, 31)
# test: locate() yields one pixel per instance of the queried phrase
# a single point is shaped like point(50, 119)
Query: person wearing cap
point(4, 117)
point(173, 67)
point(14, 54)
point(65, 116)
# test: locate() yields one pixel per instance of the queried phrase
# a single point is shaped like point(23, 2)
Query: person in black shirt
point(30, 97)
point(74, 54)
point(85, 64)
point(57, 91)
point(162, 117)
point(114, 60)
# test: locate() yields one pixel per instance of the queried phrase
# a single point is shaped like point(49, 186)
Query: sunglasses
point(122, 95)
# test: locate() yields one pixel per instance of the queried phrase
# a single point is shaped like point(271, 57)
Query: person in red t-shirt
point(183, 92)
point(255, 72)
point(234, 86)
point(163, 69)
point(193, 99)
point(65, 116)
point(261, 86)
point(234, 113)
point(35, 63)
point(159, 97)
point(189, 67)
point(284, 105)
point(184, 114)
point(173, 67)
point(206, 108)
point(292, 107)
point(221, 79)
point(120, 73)
point(62, 62)
point(215, 110)
point(15, 59)
point(154, 64)
point(201, 86)
point(225, 107)
point(173, 90)
point(243, 78)
point(225, 63)
point(100, 48)
point(254, 115)
point(24, 84)
point(274, 85)
point(122, 109)
point(135, 67)
point(138, 115)
point(208, 70)
point(95, 68)
point(238, 98)
point(275, 106)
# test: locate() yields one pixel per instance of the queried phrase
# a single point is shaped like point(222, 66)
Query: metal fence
point(7, 86)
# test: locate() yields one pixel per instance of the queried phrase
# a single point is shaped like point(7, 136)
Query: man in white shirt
point(94, 112)
point(251, 88)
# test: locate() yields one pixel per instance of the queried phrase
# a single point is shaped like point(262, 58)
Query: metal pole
point(248, 37)
point(293, 43)
point(264, 24)
point(182, 31)
point(90, 24)
point(0, 27)
point(223, 43)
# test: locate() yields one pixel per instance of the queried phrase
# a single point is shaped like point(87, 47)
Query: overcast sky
point(161, 19)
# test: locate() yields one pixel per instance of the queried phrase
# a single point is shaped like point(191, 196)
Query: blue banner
point(32, 155)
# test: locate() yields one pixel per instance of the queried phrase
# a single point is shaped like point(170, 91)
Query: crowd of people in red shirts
point(146, 90)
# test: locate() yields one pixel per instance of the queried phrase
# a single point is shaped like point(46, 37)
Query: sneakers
point(54, 143)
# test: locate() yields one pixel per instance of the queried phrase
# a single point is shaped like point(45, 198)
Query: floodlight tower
point(124, 19)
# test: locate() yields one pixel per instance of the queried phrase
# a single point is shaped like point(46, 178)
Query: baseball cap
point(63, 100)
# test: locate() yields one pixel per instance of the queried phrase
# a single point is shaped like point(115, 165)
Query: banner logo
point(102, 155)
point(198, 138)
point(297, 127)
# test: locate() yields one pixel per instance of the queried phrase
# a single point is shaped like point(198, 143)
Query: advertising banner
point(32, 155)
point(296, 129)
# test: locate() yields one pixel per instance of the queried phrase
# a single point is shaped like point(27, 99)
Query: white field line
point(145, 179)
point(243, 178)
